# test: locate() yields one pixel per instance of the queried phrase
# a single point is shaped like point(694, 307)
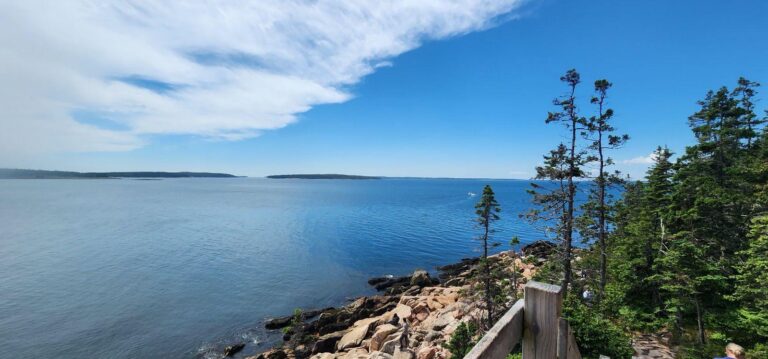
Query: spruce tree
point(487, 211)
point(751, 288)
point(563, 165)
point(595, 217)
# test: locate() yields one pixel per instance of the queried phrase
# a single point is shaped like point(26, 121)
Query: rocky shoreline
point(412, 318)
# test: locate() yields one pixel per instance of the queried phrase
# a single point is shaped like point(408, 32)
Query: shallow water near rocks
point(178, 268)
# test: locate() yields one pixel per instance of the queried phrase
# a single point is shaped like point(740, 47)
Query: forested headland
point(12, 173)
point(684, 251)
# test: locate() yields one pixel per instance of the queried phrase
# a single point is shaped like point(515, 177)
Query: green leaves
point(487, 208)
point(462, 340)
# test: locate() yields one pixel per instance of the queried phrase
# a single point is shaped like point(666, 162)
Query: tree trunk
point(569, 213)
point(699, 321)
point(601, 199)
point(487, 281)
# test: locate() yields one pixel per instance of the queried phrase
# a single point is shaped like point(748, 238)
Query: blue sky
point(461, 101)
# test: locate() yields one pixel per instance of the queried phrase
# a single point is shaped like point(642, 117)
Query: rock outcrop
point(413, 318)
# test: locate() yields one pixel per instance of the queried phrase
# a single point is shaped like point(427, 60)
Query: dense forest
point(684, 251)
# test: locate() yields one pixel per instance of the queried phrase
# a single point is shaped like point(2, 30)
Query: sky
point(422, 88)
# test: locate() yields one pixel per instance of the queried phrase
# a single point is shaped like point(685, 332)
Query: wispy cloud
point(218, 69)
point(641, 160)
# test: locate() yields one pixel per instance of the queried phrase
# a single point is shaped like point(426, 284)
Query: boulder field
point(412, 319)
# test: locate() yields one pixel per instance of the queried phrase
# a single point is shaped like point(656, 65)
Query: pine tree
point(745, 92)
point(640, 238)
point(712, 205)
point(595, 217)
point(487, 210)
point(563, 166)
point(751, 288)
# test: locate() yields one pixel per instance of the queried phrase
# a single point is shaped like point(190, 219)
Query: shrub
point(759, 351)
point(594, 333)
point(462, 340)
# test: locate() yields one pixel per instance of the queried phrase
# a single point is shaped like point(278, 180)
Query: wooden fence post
point(543, 308)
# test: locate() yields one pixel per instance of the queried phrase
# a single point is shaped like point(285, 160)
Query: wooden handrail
point(537, 322)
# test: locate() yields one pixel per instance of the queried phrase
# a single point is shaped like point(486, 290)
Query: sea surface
point(178, 268)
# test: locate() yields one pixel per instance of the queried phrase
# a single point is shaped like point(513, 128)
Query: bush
point(759, 351)
point(462, 340)
point(594, 333)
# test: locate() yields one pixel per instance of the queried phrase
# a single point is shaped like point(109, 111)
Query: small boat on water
point(471, 194)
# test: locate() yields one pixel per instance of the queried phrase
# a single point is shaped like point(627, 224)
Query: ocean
point(178, 268)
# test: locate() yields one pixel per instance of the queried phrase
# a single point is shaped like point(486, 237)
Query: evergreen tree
point(745, 92)
point(751, 288)
point(487, 210)
point(595, 212)
point(462, 340)
point(563, 165)
point(712, 203)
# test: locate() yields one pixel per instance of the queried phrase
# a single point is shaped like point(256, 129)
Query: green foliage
point(462, 340)
point(596, 334)
point(555, 201)
point(487, 210)
point(759, 351)
point(751, 289)
point(296, 327)
point(298, 317)
point(596, 212)
point(689, 249)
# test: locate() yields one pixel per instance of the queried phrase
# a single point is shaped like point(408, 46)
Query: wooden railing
point(536, 321)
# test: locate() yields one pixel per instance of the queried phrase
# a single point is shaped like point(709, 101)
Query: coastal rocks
point(354, 337)
point(271, 354)
point(451, 271)
point(327, 343)
point(381, 333)
point(277, 323)
point(403, 354)
point(394, 315)
point(324, 356)
point(411, 320)
point(390, 345)
point(384, 283)
point(539, 249)
point(309, 314)
point(379, 355)
point(426, 353)
point(398, 285)
point(420, 278)
point(337, 319)
point(432, 336)
point(421, 311)
point(233, 349)
point(356, 353)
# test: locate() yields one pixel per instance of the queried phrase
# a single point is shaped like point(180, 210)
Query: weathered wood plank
point(562, 339)
point(573, 347)
point(502, 338)
point(566, 342)
point(543, 308)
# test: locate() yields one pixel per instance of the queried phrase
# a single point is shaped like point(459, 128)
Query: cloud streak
point(641, 160)
point(218, 69)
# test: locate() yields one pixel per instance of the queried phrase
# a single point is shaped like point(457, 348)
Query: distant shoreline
point(12, 173)
point(323, 176)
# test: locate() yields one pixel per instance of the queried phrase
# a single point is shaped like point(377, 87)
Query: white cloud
point(228, 69)
point(641, 160)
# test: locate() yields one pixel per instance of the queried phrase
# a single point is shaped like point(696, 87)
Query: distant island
point(12, 173)
point(323, 176)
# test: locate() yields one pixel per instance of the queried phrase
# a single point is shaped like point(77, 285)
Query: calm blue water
point(175, 268)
